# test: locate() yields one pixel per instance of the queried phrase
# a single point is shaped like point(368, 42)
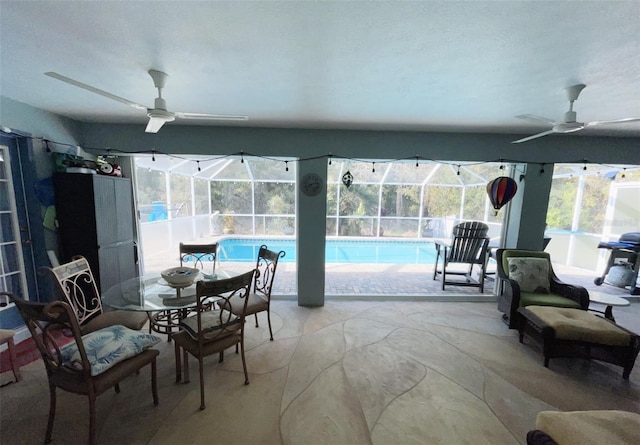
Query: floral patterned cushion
point(106, 347)
point(532, 274)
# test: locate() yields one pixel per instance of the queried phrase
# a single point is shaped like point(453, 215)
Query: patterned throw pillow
point(532, 274)
point(106, 347)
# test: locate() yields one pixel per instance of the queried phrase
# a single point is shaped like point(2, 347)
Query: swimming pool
point(336, 250)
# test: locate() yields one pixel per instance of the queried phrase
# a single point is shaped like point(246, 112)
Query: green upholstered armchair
point(516, 292)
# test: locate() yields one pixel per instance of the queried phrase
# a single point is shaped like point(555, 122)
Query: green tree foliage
point(231, 196)
point(180, 195)
point(201, 189)
point(150, 186)
point(400, 200)
point(562, 203)
point(275, 198)
point(594, 203)
point(562, 199)
point(442, 201)
point(475, 199)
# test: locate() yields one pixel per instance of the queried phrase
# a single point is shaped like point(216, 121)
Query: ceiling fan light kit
point(159, 114)
point(569, 123)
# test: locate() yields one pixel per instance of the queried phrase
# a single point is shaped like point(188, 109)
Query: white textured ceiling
point(433, 65)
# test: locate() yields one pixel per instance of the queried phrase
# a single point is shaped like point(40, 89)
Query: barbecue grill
point(623, 253)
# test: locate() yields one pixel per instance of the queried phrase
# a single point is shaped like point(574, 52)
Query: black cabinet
point(95, 217)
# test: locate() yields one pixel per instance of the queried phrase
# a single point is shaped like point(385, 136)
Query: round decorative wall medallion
point(311, 184)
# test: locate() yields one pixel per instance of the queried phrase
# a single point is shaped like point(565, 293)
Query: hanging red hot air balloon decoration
point(500, 191)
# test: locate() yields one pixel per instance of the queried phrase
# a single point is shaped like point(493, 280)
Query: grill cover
point(631, 237)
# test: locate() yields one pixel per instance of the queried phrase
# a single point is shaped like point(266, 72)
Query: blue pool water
point(336, 251)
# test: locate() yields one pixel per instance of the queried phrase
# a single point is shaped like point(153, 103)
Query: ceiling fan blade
point(534, 118)
point(154, 125)
point(616, 121)
point(84, 86)
point(535, 136)
point(221, 117)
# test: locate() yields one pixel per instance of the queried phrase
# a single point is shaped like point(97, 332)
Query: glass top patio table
point(151, 293)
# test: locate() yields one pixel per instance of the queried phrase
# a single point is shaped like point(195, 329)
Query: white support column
point(311, 229)
point(524, 227)
point(575, 222)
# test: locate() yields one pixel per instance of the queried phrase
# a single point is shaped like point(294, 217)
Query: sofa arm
point(509, 301)
point(574, 292)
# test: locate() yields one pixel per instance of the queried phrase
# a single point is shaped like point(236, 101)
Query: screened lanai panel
point(362, 171)
point(233, 170)
point(441, 201)
point(629, 174)
point(475, 203)
point(446, 175)
point(272, 169)
point(569, 170)
point(562, 198)
point(400, 200)
point(481, 174)
point(161, 162)
point(591, 187)
point(231, 197)
point(151, 185)
point(180, 194)
point(408, 173)
point(201, 190)
point(275, 198)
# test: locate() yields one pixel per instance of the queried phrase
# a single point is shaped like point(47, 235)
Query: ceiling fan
point(158, 115)
point(569, 123)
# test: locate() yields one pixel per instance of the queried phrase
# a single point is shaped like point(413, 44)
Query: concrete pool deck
point(390, 280)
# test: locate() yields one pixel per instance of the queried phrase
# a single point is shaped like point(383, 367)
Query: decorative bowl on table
point(180, 276)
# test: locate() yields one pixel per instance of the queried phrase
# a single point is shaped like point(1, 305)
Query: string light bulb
point(417, 160)
point(541, 169)
point(373, 168)
point(624, 175)
point(458, 172)
point(242, 157)
point(329, 158)
point(153, 155)
point(199, 169)
point(286, 166)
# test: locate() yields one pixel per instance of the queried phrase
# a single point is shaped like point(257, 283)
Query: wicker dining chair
point(80, 376)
